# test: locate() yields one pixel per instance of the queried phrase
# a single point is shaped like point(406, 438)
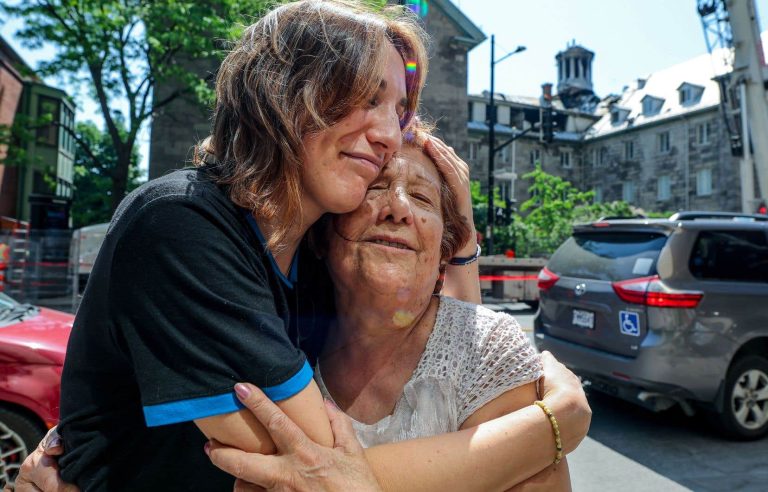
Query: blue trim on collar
point(197, 408)
point(293, 272)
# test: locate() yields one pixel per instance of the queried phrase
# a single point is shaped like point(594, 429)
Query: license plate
point(585, 319)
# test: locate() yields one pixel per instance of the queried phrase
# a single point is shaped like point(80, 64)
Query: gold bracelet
point(555, 430)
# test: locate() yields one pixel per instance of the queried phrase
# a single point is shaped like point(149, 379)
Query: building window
point(629, 150)
point(690, 94)
point(535, 157)
point(618, 115)
point(704, 182)
point(504, 115)
point(478, 112)
point(598, 194)
point(663, 188)
point(652, 105)
point(473, 147)
point(628, 191)
point(565, 159)
point(703, 132)
point(664, 142)
point(602, 157)
point(504, 154)
point(48, 108)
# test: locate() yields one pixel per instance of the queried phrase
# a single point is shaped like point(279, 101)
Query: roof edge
point(473, 34)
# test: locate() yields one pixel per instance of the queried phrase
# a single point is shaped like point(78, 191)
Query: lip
point(390, 239)
point(377, 162)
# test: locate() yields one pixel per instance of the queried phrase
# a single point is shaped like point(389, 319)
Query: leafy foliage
point(121, 49)
point(93, 183)
point(553, 207)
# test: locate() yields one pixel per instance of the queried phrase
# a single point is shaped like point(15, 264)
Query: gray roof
point(664, 85)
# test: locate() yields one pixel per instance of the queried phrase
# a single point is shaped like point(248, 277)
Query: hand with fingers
point(456, 173)
point(40, 471)
point(300, 464)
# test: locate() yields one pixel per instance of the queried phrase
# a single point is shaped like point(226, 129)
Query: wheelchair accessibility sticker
point(629, 323)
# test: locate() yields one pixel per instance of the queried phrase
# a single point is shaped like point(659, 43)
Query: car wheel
point(19, 435)
point(745, 408)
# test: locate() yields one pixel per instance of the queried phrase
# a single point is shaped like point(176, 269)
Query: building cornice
point(472, 35)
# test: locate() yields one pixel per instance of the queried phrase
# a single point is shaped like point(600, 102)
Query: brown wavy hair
point(300, 69)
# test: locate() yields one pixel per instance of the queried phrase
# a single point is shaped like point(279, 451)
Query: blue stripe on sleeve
point(208, 406)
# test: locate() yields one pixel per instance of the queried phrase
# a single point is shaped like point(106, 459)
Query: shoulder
point(180, 197)
point(475, 324)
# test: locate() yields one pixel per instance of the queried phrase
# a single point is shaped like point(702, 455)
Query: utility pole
point(491, 153)
point(492, 149)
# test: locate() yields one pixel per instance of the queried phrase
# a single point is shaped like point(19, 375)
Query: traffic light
point(545, 114)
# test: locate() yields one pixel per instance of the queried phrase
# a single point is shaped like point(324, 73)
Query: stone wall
point(444, 99)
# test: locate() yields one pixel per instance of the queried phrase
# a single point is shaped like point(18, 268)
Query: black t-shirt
point(183, 302)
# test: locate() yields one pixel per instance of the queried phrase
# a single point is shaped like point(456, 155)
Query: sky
point(630, 39)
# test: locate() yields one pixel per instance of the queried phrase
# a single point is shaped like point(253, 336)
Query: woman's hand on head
point(40, 471)
point(300, 464)
point(561, 390)
point(456, 173)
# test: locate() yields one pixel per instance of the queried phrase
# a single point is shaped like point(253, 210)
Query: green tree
point(92, 202)
point(553, 207)
point(121, 49)
point(546, 218)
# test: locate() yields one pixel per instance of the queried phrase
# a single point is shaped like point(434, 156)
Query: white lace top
point(472, 356)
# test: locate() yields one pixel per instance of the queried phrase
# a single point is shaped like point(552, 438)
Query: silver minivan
point(664, 312)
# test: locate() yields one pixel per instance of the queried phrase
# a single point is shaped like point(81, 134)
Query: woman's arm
point(461, 281)
point(494, 455)
point(243, 430)
point(555, 477)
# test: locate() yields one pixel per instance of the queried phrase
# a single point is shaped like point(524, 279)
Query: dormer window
point(690, 94)
point(652, 105)
point(618, 115)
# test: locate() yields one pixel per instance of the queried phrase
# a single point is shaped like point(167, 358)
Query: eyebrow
point(403, 102)
point(427, 180)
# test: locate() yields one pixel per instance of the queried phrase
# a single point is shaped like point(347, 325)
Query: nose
point(396, 208)
point(384, 131)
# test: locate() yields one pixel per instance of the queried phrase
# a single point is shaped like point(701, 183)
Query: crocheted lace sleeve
point(488, 352)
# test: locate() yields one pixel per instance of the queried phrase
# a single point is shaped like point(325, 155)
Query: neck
point(372, 335)
point(284, 256)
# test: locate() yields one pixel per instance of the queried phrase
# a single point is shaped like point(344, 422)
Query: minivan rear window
point(612, 256)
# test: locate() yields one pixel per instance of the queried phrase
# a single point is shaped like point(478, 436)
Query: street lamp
point(492, 142)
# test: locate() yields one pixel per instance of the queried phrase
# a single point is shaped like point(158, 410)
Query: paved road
point(633, 450)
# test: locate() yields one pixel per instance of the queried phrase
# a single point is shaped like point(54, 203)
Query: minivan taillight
point(547, 279)
point(649, 291)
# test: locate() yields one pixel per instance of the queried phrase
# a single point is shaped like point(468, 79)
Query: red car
point(33, 342)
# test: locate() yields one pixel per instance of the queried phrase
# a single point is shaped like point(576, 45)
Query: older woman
point(402, 361)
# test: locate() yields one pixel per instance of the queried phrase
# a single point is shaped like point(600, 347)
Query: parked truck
point(511, 279)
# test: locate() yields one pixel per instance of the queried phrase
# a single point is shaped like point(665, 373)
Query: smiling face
point(341, 161)
point(391, 243)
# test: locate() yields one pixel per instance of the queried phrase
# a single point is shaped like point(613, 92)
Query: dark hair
point(301, 68)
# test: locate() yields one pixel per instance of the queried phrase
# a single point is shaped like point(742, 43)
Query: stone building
point(183, 123)
point(660, 144)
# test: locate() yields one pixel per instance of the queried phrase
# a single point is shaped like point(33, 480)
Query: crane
point(731, 27)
